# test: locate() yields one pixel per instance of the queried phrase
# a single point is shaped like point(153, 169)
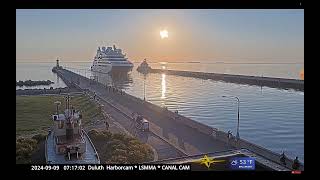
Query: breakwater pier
point(280, 83)
point(170, 134)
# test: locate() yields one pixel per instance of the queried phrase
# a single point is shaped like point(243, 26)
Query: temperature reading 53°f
point(245, 161)
point(242, 163)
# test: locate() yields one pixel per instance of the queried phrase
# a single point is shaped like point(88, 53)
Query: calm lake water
point(270, 117)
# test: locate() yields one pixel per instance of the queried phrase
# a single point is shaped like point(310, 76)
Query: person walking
point(283, 158)
point(107, 125)
point(296, 164)
point(228, 137)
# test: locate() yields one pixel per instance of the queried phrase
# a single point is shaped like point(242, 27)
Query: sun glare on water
point(164, 34)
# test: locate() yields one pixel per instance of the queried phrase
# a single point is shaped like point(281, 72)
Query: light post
point(144, 88)
point(237, 136)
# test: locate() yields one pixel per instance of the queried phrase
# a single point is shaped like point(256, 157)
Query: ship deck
point(89, 157)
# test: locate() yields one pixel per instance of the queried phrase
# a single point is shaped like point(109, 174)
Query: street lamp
point(238, 137)
point(144, 88)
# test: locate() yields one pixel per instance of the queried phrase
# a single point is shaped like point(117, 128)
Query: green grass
point(33, 113)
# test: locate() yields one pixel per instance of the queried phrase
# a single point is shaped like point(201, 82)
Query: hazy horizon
point(231, 36)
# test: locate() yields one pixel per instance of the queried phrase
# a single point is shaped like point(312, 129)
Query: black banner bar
point(147, 4)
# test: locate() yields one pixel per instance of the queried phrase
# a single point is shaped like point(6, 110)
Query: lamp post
point(144, 88)
point(237, 136)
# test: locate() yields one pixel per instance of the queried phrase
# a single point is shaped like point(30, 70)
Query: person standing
point(283, 158)
point(107, 125)
point(229, 137)
point(296, 164)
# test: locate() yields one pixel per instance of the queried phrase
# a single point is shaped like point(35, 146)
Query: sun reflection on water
point(163, 86)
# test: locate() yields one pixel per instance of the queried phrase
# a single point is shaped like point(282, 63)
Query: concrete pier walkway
point(280, 83)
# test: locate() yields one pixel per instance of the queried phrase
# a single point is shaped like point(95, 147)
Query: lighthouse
point(57, 63)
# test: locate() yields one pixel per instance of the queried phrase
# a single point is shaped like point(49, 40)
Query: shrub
point(120, 148)
point(118, 159)
point(39, 137)
point(24, 149)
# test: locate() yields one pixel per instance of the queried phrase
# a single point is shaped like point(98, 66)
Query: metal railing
point(94, 148)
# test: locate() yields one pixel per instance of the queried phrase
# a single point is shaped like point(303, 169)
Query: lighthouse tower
point(57, 63)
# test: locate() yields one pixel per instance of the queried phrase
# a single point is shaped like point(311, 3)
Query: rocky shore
point(33, 83)
point(46, 91)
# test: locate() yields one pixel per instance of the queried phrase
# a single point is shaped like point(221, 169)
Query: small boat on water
point(144, 67)
point(67, 142)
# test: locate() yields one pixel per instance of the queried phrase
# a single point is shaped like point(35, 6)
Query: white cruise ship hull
point(121, 68)
point(111, 68)
point(101, 69)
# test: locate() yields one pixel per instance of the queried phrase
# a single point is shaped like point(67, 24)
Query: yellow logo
point(207, 161)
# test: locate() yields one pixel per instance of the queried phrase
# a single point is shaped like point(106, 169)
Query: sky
point(263, 36)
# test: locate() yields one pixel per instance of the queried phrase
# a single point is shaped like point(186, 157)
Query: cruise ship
point(110, 59)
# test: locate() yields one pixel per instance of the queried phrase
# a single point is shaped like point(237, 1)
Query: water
point(37, 71)
point(272, 118)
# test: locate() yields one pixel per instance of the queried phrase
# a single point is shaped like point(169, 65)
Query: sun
point(164, 34)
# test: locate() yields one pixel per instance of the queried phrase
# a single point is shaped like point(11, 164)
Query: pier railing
point(94, 148)
point(45, 149)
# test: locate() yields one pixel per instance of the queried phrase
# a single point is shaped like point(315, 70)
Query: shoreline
point(44, 91)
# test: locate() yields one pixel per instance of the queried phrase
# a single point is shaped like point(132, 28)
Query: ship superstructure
point(111, 59)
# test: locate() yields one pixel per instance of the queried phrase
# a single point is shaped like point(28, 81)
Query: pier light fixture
point(144, 88)
point(237, 136)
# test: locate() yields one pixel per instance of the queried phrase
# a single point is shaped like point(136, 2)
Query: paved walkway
point(119, 123)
